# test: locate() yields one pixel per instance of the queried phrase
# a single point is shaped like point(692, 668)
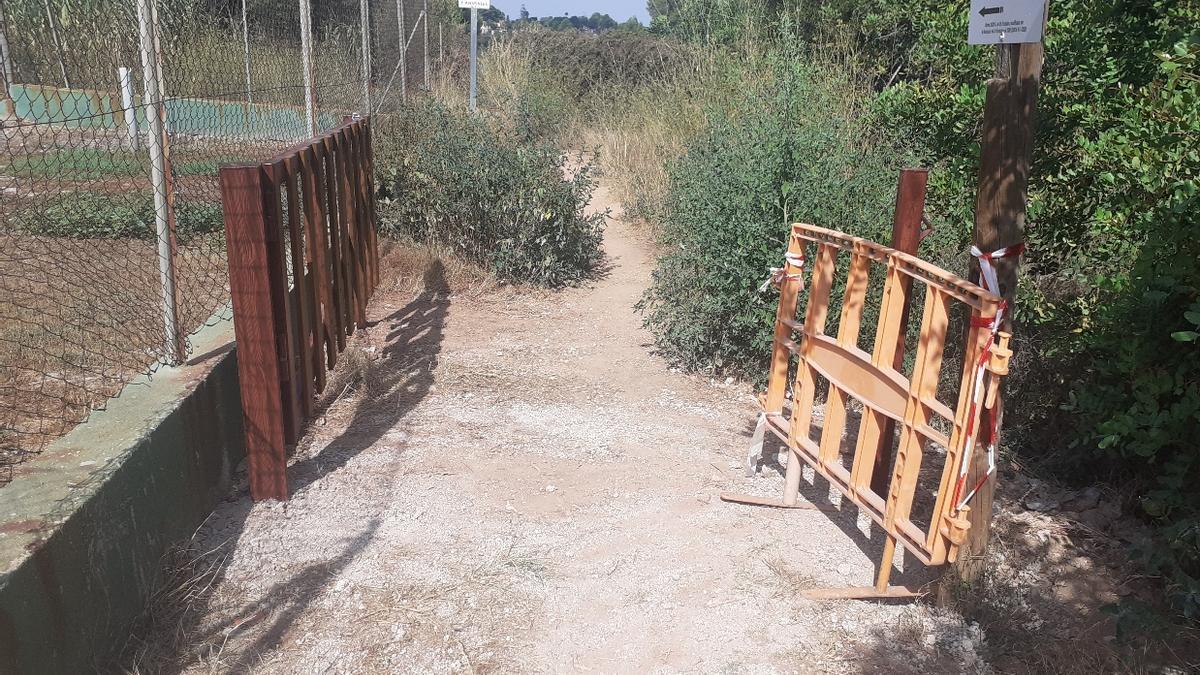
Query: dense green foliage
point(448, 179)
point(1107, 366)
point(91, 215)
point(793, 148)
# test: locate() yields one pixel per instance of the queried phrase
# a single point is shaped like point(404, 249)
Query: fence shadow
point(394, 383)
point(183, 629)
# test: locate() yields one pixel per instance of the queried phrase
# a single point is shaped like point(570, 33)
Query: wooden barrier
point(929, 430)
point(303, 262)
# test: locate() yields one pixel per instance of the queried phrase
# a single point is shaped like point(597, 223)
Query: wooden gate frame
point(313, 204)
point(884, 392)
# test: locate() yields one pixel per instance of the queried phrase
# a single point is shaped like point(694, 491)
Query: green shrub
point(448, 179)
point(92, 215)
point(795, 150)
point(1137, 403)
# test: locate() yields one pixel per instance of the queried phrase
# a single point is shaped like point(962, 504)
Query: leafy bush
point(448, 179)
point(1138, 402)
point(92, 215)
point(796, 149)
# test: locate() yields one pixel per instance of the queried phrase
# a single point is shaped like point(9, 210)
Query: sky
point(617, 9)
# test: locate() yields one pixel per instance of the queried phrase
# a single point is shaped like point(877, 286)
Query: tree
point(630, 25)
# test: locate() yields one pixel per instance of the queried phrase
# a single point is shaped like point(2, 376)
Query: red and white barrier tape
point(987, 273)
point(777, 274)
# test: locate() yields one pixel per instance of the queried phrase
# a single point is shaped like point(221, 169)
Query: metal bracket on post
point(309, 65)
point(160, 176)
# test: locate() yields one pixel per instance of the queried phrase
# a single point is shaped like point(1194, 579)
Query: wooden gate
point(303, 262)
point(875, 386)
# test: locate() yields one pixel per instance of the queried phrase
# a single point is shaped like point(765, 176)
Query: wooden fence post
point(258, 285)
point(1007, 150)
point(906, 237)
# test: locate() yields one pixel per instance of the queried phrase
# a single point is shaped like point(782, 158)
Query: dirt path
point(522, 486)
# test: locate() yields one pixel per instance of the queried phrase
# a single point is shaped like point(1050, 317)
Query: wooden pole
point(906, 237)
point(1008, 122)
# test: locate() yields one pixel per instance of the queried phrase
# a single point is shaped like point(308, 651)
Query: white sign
point(996, 22)
point(474, 4)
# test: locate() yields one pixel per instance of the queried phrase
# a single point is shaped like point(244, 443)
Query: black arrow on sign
point(984, 11)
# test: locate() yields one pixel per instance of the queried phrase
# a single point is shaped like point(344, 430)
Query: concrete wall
point(84, 526)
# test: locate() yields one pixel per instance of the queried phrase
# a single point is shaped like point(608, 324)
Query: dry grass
point(638, 133)
point(158, 641)
point(788, 582)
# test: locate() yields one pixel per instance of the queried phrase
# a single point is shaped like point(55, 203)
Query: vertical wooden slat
point(345, 278)
point(923, 387)
point(358, 218)
point(293, 416)
point(369, 158)
point(350, 228)
point(336, 262)
point(255, 280)
point(891, 314)
point(312, 177)
point(814, 324)
point(834, 426)
point(976, 338)
point(304, 322)
point(366, 189)
point(785, 315)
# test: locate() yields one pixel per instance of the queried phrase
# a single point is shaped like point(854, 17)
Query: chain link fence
point(114, 118)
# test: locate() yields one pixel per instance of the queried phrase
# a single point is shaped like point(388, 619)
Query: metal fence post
point(58, 50)
point(309, 65)
point(425, 39)
point(246, 59)
point(164, 222)
point(6, 69)
point(364, 13)
point(130, 112)
point(474, 57)
point(403, 51)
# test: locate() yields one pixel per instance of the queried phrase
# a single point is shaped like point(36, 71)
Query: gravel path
point(517, 484)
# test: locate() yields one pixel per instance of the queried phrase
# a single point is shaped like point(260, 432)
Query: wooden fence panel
point(312, 205)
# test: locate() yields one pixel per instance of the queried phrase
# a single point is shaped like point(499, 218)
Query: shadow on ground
point(182, 628)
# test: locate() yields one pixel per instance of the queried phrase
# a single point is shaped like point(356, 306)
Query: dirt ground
point(511, 481)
